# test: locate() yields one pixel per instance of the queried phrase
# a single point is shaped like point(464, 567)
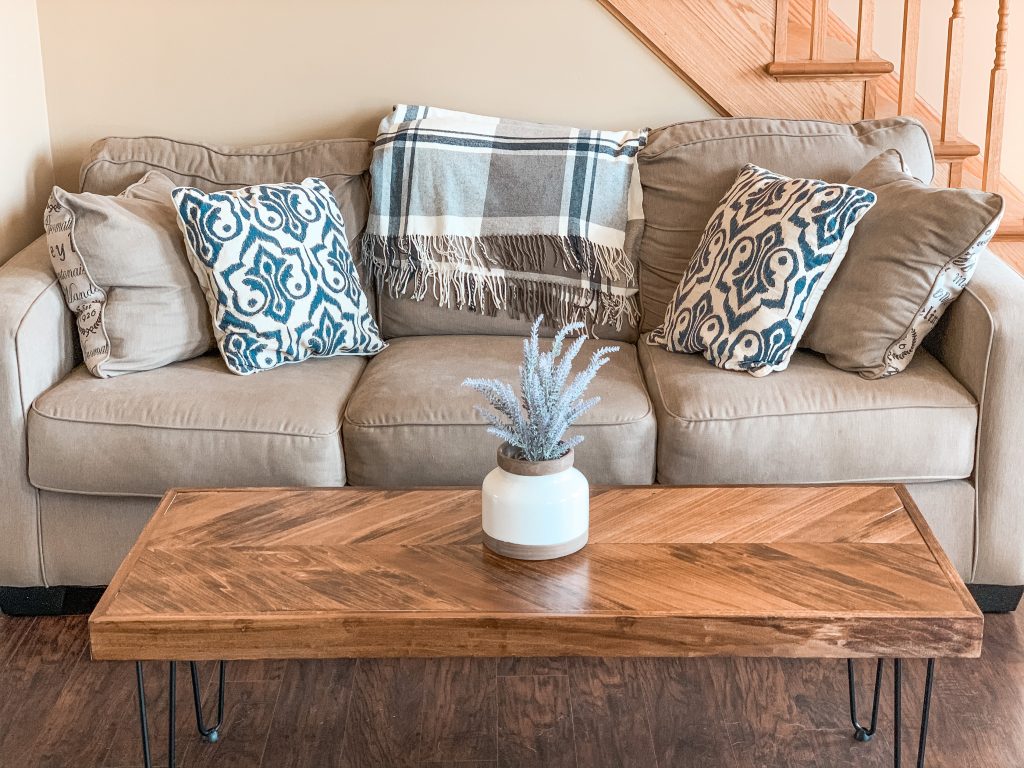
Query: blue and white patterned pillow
point(274, 264)
point(764, 260)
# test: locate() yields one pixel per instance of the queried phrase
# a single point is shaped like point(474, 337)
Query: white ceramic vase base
point(535, 510)
point(535, 551)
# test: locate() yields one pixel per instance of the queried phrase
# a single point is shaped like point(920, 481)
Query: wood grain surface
point(720, 48)
point(62, 709)
point(332, 573)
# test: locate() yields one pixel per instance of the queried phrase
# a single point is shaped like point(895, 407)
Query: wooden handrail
point(996, 103)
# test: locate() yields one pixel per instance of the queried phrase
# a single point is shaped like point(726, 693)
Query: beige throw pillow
point(122, 266)
point(911, 256)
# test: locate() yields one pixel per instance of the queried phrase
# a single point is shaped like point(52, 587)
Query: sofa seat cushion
point(192, 424)
point(411, 423)
point(812, 423)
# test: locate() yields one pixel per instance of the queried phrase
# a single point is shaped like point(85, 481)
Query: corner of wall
point(26, 154)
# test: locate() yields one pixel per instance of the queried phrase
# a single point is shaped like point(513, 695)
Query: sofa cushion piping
point(968, 291)
point(280, 433)
point(880, 128)
point(24, 410)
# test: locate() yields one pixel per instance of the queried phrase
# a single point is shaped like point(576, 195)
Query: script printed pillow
point(274, 264)
point(911, 257)
point(122, 267)
point(766, 256)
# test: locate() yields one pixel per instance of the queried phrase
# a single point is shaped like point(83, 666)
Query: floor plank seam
point(421, 715)
point(649, 717)
point(343, 744)
point(572, 717)
point(273, 714)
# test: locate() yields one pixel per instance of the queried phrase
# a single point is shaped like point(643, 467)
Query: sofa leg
point(996, 598)
point(48, 601)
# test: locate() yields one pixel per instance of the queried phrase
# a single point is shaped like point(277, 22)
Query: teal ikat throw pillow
point(766, 256)
point(274, 264)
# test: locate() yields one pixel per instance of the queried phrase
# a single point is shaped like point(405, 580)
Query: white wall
point(267, 71)
point(26, 170)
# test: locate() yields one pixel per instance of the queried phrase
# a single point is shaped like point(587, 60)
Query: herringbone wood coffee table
point(847, 571)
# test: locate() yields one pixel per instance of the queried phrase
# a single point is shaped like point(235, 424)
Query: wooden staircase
point(795, 58)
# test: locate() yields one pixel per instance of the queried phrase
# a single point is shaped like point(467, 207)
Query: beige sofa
point(85, 460)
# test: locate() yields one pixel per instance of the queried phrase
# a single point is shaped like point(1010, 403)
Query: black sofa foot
point(48, 601)
point(995, 598)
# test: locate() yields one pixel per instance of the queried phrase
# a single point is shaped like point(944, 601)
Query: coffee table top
point(669, 571)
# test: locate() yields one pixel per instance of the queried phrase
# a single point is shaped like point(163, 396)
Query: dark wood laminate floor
point(59, 708)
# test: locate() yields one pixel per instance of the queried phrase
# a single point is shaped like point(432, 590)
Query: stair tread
point(708, 45)
point(833, 69)
point(1011, 229)
point(957, 148)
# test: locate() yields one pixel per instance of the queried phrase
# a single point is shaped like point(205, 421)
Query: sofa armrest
point(981, 341)
point(37, 349)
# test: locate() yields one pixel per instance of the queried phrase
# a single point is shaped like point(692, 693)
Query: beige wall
point(265, 70)
point(316, 68)
point(26, 172)
point(979, 46)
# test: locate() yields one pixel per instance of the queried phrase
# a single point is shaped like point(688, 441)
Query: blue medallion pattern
point(274, 264)
point(769, 251)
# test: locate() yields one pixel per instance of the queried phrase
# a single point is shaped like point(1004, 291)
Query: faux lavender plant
point(550, 403)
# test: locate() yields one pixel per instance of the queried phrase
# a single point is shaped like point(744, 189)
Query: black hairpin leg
point(140, 683)
point(147, 758)
point(860, 733)
point(210, 733)
point(864, 734)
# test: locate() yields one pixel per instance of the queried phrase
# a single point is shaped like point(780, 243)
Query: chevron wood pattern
point(348, 572)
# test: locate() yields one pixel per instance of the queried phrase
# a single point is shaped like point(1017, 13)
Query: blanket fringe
point(461, 273)
point(523, 253)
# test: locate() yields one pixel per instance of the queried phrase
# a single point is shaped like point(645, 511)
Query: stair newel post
point(819, 28)
point(865, 50)
point(908, 57)
point(996, 104)
point(951, 87)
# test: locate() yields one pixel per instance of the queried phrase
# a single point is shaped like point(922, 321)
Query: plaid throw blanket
point(496, 215)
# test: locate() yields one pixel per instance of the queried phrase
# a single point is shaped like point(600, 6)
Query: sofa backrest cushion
point(687, 168)
point(114, 163)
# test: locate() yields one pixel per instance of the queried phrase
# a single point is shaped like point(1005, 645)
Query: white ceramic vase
point(535, 510)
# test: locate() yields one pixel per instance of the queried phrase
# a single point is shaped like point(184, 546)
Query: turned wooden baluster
point(951, 91)
point(819, 28)
point(996, 104)
point(781, 29)
point(865, 50)
point(908, 57)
